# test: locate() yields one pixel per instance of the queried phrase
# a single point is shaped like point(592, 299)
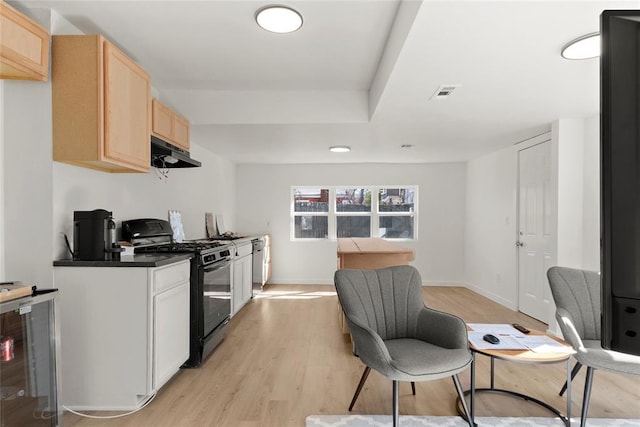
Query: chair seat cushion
point(415, 360)
point(592, 354)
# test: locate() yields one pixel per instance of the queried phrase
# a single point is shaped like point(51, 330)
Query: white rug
point(411, 421)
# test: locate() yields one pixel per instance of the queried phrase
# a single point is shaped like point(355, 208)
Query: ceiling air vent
point(443, 92)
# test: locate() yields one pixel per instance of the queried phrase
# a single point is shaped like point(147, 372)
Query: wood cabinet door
point(162, 120)
point(181, 132)
point(127, 95)
point(168, 125)
point(24, 46)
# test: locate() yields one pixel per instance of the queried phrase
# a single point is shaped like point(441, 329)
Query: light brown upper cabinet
point(101, 106)
point(169, 126)
point(24, 46)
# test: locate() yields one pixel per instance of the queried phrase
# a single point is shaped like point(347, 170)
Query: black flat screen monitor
point(620, 179)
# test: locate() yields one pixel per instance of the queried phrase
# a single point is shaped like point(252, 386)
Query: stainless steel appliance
point(94, 236)
point(210, 281)
point(29, 387)
point(259, 264)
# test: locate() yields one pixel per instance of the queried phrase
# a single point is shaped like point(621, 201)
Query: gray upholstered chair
point(577, 297)
point(396, 334)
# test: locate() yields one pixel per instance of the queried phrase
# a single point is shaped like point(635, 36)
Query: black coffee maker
point(94, 236)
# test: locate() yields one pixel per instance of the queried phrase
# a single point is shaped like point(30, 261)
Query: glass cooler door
point(28, 356)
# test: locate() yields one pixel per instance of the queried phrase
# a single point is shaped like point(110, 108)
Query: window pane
point(396, 200)
point(353, 200)
point(311, 227)
point(311, 200)
point(396, 227)
point(354, 226)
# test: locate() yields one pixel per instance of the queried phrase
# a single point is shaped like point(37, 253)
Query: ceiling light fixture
point(584, 47)
point(279, 19)
point(340, 149)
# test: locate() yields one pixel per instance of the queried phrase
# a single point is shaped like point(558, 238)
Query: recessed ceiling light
point(585, 47)
point(279, 19)
point(340, 149)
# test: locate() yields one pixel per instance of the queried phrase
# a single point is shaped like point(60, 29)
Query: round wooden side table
point(518, 356)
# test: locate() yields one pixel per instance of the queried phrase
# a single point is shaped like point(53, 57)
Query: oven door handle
point(218, 266)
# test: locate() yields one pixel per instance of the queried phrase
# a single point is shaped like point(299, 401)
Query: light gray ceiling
point(358, 73)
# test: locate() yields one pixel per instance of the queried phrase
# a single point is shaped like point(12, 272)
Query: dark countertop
point(137, 260)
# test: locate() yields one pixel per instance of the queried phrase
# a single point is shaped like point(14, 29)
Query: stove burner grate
point(193, 246)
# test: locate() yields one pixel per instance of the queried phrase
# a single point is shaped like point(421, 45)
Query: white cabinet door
point(242, 285)
point(171, 337)
point(247, 279)
point(236, 288)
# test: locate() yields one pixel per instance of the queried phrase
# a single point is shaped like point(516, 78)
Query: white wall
point(491, 222)
point(569, 135)
point(28, 183)
point(263, 205)
point(591, 197)
point(491, 210)
point(192, 191)
point(40, 195)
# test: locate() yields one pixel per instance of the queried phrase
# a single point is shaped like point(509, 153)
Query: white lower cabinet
point(242, 289)
point(171, 343)
point(124, 332)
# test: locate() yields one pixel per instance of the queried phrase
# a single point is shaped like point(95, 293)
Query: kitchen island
point(369, 254)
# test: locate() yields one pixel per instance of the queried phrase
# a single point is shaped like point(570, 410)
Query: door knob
point(519, 244)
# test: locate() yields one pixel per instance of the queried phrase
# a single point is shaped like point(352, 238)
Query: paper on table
point(496, 329)
point(545, 344)
point(507, 342)
point(513, 339)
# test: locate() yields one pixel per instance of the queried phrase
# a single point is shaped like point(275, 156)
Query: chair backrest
point(387, 300)
point(578, 292)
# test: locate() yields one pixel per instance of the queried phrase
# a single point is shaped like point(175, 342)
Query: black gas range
point(210, 280)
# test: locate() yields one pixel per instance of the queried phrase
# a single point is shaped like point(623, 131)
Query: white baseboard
point(276, 281)
point(493, 297)
point(445, 284)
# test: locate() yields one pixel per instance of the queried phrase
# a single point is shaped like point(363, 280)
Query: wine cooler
point(29, 348)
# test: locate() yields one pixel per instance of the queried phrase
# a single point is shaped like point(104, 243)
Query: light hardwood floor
point(285, 358)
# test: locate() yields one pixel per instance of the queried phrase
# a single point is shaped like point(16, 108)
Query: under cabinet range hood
point(165, 155)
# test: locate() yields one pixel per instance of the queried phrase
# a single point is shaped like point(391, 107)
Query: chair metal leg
point(363, 379)
point(574, 372)
point(587, 394)
point(396, 405)
point(456, 382)
point(413, 388)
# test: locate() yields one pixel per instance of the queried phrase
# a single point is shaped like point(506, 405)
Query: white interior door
point(535, 230)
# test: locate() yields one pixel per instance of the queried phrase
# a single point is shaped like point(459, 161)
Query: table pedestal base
point(538, 402)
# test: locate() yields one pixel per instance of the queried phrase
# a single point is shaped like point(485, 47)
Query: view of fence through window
point(353, 201)
point(314, 202)
point(393, 206)
point(321, 213)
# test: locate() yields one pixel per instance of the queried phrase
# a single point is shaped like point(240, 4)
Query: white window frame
point(294, 214)
point(413, 214)
point(332, 213)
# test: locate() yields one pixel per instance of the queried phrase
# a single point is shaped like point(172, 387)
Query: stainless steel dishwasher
point(259, 264)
